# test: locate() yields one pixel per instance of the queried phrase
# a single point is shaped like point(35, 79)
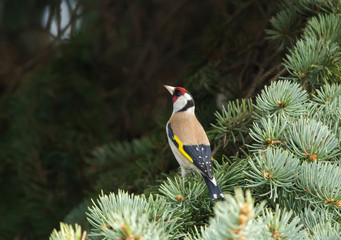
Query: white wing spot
point(197, 148)
point(202, 149)
point(215, 195)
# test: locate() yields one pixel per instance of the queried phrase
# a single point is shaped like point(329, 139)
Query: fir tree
point(285, 184)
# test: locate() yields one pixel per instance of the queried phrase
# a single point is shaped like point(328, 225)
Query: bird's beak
point(170, 89)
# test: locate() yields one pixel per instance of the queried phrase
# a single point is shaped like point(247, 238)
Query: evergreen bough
point(287, 183)
point(67, 232)
point(124, 215)
point(275, 169)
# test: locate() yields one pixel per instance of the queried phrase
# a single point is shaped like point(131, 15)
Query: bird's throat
point(188, 107)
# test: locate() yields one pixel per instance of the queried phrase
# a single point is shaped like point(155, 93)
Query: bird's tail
point(213, 189)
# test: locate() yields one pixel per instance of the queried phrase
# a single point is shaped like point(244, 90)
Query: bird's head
point(182, 99)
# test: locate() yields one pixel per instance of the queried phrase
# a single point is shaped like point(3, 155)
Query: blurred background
point(83, 109)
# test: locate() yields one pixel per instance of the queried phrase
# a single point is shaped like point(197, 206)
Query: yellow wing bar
point(181, 148)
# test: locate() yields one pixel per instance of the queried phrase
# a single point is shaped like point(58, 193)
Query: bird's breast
point(188, 129)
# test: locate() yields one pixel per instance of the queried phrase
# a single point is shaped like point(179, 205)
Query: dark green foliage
point(287, 24)
point(285, 27)
point(233, 123)
point(85, 114)
point(43, 145)
point(315, 61)
point(109, 162)
point(324, 27)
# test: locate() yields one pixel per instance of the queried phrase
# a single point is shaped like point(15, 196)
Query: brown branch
point(49, 19)
point(216, 148)
point(74, 16)
point(46, 51)
point(281, 72)
point(238, 12)
point(58, 18)
point(240, 77)
point(262, 77)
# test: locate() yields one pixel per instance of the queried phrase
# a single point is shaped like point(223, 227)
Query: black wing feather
point(201, 156)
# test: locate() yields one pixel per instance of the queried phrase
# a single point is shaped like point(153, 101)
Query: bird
point(188, 140)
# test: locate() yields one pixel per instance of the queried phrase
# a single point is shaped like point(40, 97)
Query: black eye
point(177, 93)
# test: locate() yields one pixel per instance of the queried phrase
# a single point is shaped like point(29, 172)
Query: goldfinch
point(188, 140)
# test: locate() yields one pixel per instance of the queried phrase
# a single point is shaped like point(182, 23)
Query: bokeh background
point(83, 109)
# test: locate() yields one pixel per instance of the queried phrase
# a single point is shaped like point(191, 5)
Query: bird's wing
point(199, 155)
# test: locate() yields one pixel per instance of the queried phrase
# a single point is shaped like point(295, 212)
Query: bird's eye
point(177, 93)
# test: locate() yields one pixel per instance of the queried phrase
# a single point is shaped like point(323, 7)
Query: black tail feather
point(213, 189)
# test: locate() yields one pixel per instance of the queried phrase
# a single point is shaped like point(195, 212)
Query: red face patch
point(181, 90)
point(178, 91)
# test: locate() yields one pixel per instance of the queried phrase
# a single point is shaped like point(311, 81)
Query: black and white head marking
point(182, 99)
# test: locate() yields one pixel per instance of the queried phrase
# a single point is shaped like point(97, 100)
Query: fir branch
point(67, 232)
point(230, 174)
point(234, 219)
point(124, 215)
point(314, 61)
point(320, 224)
point(326, 95)
point(268, 132)
point(325, 104)
point(117, 151)
point(285, 27)
point(330, 6)
point(232, 123)
point(137, 160)
point(326, 232)
point(281, 98)
point(282, 225)
point(320, 184)
point(289, 201)
point(275, 168)
point(324, 27)
point(129, 225)
point(312, 141)
point(308, 8)
point(333, 111)
point(189, 198)
point(184, 193)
